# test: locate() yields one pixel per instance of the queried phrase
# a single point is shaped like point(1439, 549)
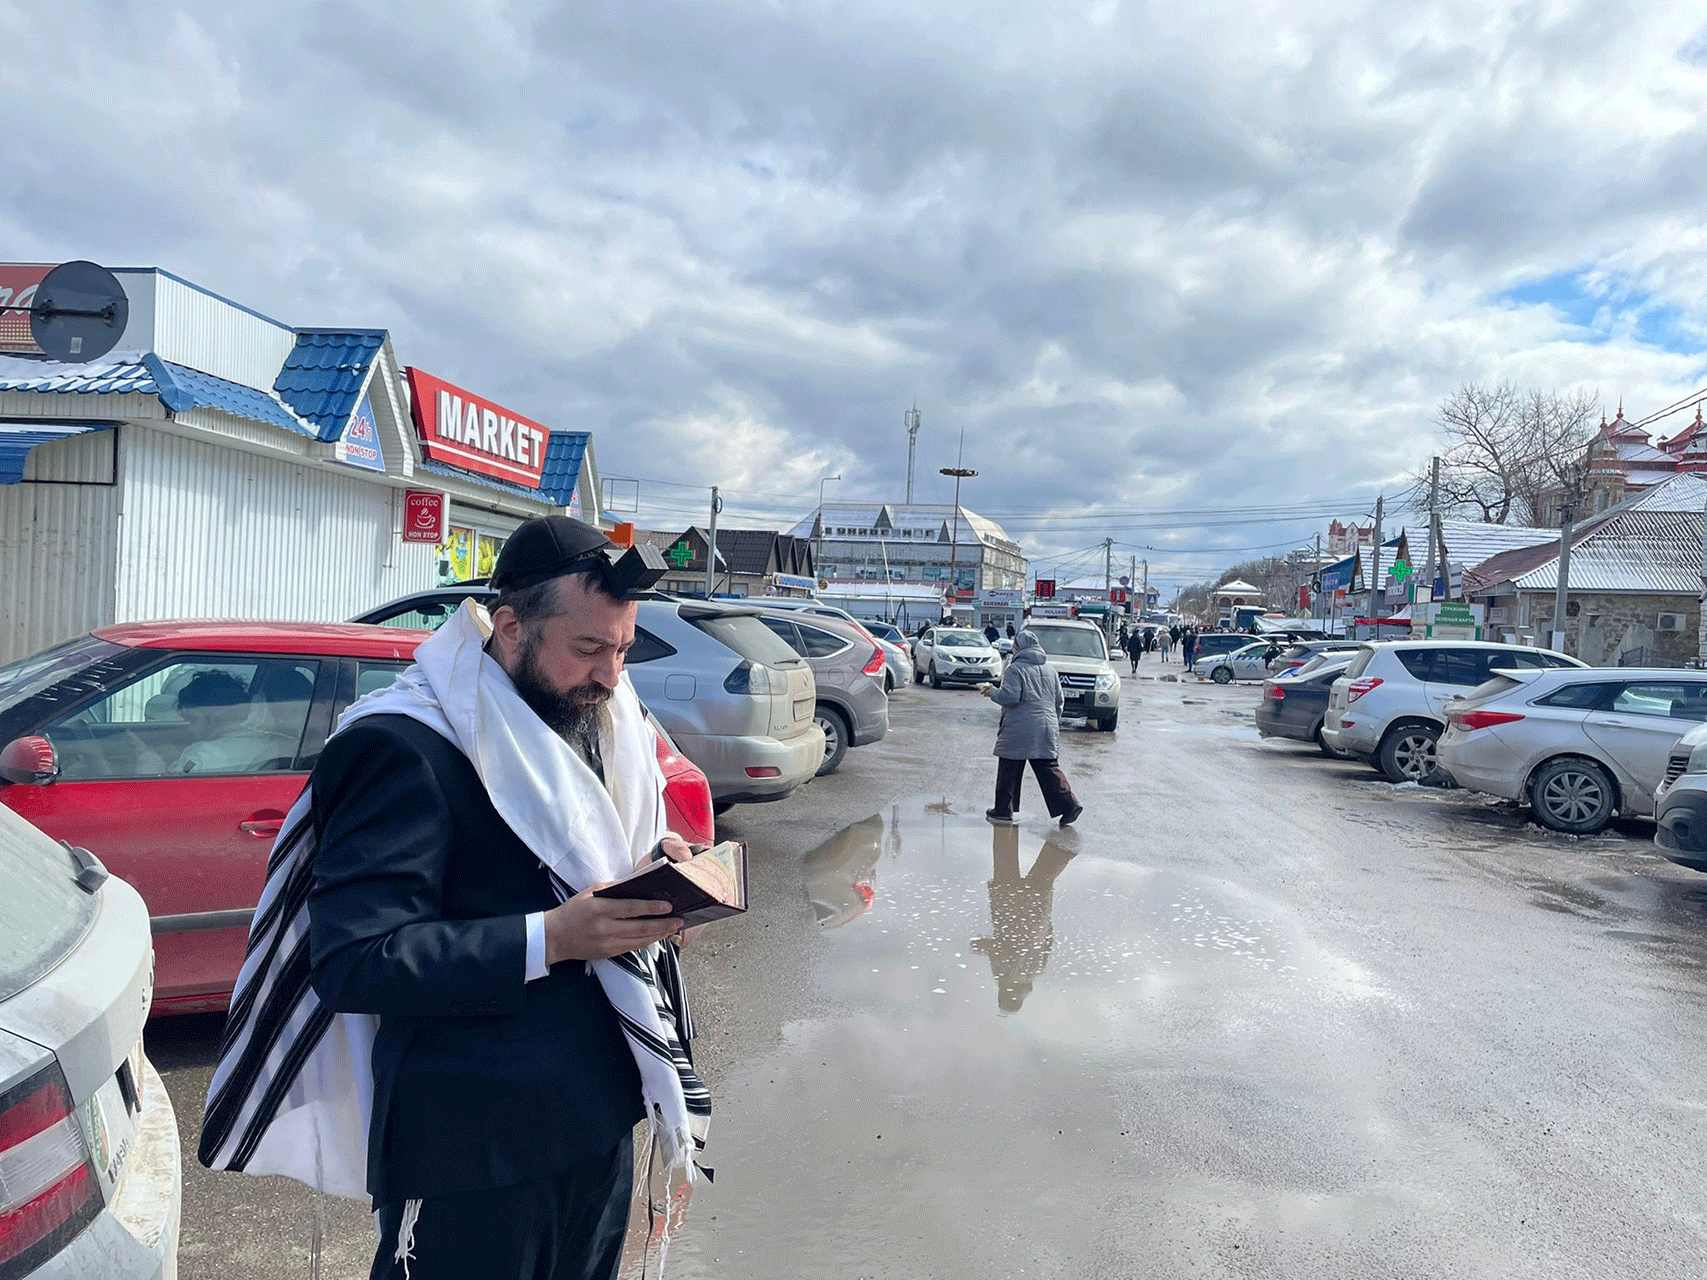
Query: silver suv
point(89, 1159)
point(847, 666)
point(740, 703)
point(1390, 705)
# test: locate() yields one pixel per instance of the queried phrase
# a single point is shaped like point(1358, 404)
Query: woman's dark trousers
point(1057, 792)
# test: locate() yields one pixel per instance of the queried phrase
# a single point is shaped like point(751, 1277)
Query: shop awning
point(16, 441)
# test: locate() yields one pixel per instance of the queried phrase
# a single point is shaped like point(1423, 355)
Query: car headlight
point(1698, 758)
point(1107, 682)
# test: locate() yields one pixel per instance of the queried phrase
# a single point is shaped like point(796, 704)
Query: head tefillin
point(557, 546)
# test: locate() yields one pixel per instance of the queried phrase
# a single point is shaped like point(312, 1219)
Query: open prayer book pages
point(708, 886)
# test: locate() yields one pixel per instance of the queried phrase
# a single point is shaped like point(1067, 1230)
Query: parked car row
point(1578, 745)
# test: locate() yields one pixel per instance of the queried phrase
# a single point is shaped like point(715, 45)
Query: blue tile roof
point(16, 443)
point(177, 387)
point(116, 377)
point(180, 388)
point(324, 373)
point(562, 472)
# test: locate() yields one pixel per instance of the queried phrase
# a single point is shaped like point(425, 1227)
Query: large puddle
point(1008, 1027)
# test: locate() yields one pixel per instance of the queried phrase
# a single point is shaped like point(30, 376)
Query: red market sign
point(18, 281)
point(463, 430)
point(423, 516)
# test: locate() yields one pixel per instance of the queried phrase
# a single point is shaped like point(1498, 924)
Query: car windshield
point(961, 640)
point(29, 676)
point(1070, 642)
point(43, 912)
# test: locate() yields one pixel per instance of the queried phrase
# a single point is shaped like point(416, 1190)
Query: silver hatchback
point(848, 667)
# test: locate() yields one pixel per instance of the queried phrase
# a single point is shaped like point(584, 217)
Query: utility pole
point(1375, 583)
point(1567, 517)
point(911, 420)
point(959, 473)
point(1316, 582)
point(711, 548)
point(1107, 569)
point(1144, 600)
point(818, 551)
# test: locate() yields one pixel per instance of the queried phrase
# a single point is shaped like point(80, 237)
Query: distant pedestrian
point(1030, 698)
point(1010, 631)
point(1149, 639)
point(990, 632)
point(1188, 647)
point(1134, 649)
point(1166, 641)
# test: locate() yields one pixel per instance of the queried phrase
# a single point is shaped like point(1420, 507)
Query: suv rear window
point(43, 914)
point(1361, 662)
point(748, 636)
point(1419, 662)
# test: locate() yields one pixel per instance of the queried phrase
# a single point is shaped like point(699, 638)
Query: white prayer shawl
point(293, 1091)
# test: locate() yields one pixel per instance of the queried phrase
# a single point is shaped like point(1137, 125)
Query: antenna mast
point(911, 419)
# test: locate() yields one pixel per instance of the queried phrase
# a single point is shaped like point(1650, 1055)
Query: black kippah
point(548, 547)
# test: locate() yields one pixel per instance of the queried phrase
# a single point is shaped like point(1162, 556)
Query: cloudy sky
point(1160, 262)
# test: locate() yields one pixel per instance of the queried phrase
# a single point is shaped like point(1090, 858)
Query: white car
point(955, 655)
point(1248, 663)
point(89, 1158)
point(1390, 705)
point(1090, 686)
point(1577, 746)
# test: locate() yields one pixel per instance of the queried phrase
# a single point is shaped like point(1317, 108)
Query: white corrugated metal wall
point(56, 545)
point(210, 531)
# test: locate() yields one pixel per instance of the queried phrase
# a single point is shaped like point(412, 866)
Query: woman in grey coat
point(1030, 698)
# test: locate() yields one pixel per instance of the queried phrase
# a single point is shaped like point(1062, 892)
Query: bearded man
point(429, 968)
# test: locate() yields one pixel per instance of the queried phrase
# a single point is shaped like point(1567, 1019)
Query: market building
point(922, 543)
point(219, 463)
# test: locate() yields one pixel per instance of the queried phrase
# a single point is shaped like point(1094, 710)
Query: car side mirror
point(29, 761)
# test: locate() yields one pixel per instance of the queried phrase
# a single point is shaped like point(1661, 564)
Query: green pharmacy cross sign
point(680, 555)
point(1400, 570)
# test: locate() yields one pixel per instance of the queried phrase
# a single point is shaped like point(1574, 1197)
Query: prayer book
point(708, 886)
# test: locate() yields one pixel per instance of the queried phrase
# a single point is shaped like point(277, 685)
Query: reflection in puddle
point(916, 894)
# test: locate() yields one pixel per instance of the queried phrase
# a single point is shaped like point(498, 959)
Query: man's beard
point(572, 714)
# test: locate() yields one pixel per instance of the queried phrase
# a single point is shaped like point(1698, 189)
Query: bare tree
point(1506, 449)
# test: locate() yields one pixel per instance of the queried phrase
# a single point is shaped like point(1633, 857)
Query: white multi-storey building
point(913, 542)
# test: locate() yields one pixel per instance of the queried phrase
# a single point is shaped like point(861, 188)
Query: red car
point(172, 751)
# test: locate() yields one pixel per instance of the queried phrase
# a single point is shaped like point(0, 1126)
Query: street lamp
point(818, 552)
point(959, 474)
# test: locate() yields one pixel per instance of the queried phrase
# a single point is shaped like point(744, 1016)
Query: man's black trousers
point(567, 1226)
point(1057, 794)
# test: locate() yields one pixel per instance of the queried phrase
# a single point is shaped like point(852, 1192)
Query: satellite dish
point(79, 313)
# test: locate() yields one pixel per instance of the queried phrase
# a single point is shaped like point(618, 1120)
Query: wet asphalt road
point(1259, 1014)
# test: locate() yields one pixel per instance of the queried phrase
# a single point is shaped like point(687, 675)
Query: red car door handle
point(263, 822)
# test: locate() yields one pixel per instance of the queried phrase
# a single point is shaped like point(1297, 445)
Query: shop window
point(199, 716)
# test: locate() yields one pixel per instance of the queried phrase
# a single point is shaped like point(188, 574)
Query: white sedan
point(1248, 663)
point(1578, 745)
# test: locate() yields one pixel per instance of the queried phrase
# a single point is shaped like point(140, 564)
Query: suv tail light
point(750, 678)
point(48, 1191)
point(1361, 687)
point(1468, 720)
point(874, 664)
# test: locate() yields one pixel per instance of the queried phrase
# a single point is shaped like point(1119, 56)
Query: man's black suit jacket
point(481, 1079)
